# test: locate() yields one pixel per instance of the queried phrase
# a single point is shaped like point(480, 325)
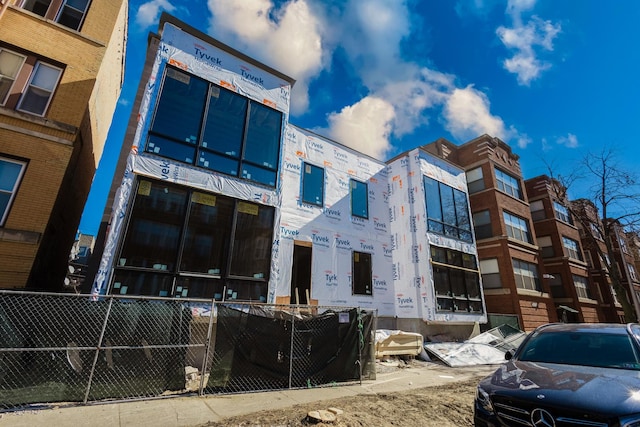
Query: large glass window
point(517, 227)
point(482, 224)
point(456, 280)
point(39, 91)
point(11, 172)
point(447, 210)
point(562, 213)
point(252, 241)
point(208, 234)
point(153, 235)
point(10, 65)
point(572, 247)
point(236, 136)
point(582, 286)
point(359, 199)
point(526, 275)
point(509, 184)
point(312, 184)
point(362, 273)
point(181, 242)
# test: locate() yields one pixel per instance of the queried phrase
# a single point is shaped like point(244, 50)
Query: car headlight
point(483, 399)
point(630, 421)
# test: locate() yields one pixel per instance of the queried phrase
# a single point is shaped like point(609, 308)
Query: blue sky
point(555, 79)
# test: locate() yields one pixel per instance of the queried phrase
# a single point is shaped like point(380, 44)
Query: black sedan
point(566, 375)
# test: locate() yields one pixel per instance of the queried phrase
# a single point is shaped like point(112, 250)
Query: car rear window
point(582, 348)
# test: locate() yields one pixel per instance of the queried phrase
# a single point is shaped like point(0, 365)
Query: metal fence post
point(95, 358)
point(293, 329)
point(207, 348)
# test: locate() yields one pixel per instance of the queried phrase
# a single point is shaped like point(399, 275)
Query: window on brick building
point(632, 272)
point(11, 172)
point(562, 213)
point(72, 13)
point(10, 65)
point(537, 210)
point(572, 247)
point(508, 184)
point(475, 180)
point(526, 275)
point(69, 13)
point(482, 224)
point(517, 227)
point(39, 91)
point(582, 286)
point(42, 79)
point(546, 246)
point(490, 273)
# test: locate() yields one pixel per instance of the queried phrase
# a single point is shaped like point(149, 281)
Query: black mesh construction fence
point(64, 348)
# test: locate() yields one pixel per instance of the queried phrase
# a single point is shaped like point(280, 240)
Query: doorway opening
point(301, 273)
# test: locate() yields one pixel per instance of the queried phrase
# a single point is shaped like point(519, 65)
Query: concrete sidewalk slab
point(195, 410)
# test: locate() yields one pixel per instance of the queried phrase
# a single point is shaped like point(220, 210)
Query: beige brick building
point(61, 72)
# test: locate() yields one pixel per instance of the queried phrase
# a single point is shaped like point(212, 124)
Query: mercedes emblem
point(542, 418)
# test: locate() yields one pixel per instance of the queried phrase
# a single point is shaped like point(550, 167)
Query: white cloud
point(365, 126)
point(569, 141)
point(527, 40)
point(467, 115)
point(287, 39)
point(300, 37)
point(148, 13)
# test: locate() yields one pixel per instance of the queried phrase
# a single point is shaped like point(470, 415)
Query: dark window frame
point(359, 186)
point(454, 223)
point(456, 281)
point(195, 151)
point(149, 275)
point(306, 197)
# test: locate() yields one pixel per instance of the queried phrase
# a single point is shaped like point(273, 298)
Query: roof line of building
point(167, 18)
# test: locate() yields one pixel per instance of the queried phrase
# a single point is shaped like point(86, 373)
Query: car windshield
point(581, 348)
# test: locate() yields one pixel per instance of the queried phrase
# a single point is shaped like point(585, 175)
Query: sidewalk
point(195, 410)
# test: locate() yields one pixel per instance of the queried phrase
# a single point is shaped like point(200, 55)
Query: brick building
point(513, 276)
point(575, 296)
point(61, 72)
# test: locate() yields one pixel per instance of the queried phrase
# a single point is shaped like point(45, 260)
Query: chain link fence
point(68, 348)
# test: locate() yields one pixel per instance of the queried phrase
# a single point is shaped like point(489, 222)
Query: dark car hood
point(602, 390)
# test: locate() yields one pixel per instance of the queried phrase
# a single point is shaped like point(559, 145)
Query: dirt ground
point(439, 406)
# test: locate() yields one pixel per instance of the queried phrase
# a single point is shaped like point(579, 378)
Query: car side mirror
point(509, 354)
